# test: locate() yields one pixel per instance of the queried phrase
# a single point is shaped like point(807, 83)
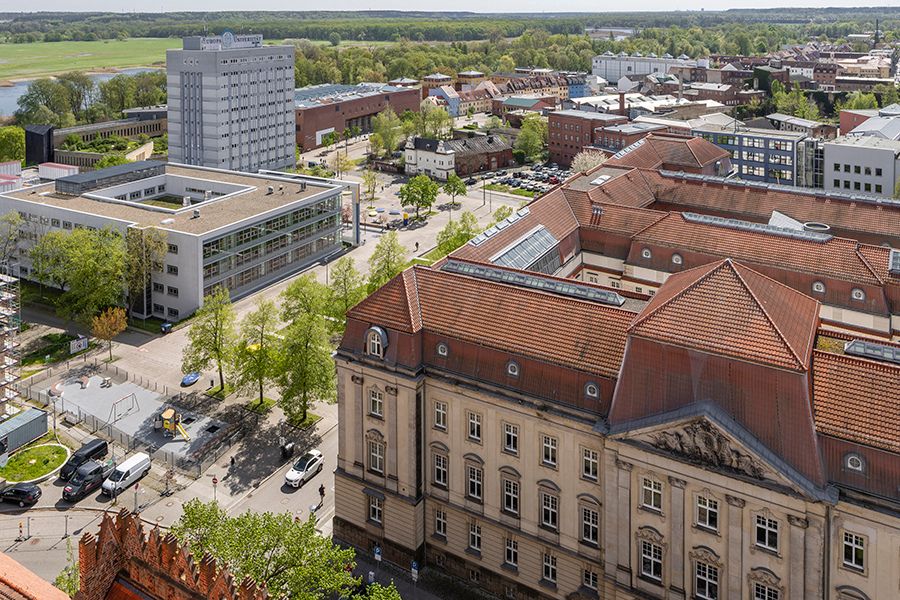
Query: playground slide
point(183, 433)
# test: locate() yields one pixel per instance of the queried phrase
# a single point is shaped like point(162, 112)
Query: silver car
point(306, 467)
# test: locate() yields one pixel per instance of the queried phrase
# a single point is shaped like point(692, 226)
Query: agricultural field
point(51, 58)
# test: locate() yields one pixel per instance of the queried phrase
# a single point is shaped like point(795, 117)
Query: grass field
point(33, 462)
point(51, 58)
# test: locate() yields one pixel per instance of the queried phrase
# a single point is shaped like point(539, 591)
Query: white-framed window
point(590, 525)
point(762, 591)
point(511, 556)
point(676, 259)
point(442, 349)
point(474, 426)
point(376, 509)
point(708, 513)
point(646, 253)
point(475, 477)
point(440, 522)
point(376, 456)
point(854, 551)
point(511, 438)
point(651, 560)
point(376, 402)
point(706, 581)
point(766, 533)
point(511, 496)
point(512, 368)
point(854, 462)
point(440, 415)
point(549, 448)
point(549, 510)
point(589, 578)
point(549, 571)
point(591, 390)
point(818, 287)
point(590, 464)
point(474, 536)
point(375, 347)
point(440, 469)
point(651, 494)
point(858, 295)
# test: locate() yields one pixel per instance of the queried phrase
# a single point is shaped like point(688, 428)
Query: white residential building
point(862, 164)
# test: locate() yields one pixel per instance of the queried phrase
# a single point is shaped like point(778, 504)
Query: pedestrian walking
point(417, 246)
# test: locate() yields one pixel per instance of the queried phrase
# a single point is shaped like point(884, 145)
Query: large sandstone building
point(637, 387)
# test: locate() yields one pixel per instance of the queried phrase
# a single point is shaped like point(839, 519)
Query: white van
point(130, 470)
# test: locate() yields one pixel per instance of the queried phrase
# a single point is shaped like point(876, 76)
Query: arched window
point(591, 390)
point(858, 294)
point(818, 287)
point(376, 342)
point(854, 462)
point(512, 368)
point(676, 259)
point(646, 253)
point(442, 349)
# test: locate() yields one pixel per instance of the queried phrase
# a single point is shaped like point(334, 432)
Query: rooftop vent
point(809, 236)
point(196, 214)
point(874, 351)
point(186, 201)
point(270, 190)
point(207, 194)
point(817, 227)
point(167, 221)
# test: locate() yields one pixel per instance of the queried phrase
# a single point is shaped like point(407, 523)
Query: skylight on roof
point(873, 351)
point(894, 262)
point(527, 249)
point(809, 236)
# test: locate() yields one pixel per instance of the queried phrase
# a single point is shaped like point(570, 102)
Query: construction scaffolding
point(10, 321)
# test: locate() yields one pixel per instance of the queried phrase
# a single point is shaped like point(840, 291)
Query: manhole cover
point(169, 503)
point(159, 519)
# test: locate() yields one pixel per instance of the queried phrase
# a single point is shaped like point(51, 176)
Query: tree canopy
point(211, 335)
point(419, 192)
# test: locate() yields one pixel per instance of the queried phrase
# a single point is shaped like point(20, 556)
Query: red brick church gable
point(122, 563)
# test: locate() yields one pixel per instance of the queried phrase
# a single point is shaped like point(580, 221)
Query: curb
point(43, 478)
point(85, 509)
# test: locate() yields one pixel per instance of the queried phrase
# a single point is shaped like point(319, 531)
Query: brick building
point(569, 131)
point(616, 137)
point(331, 108)
point(439, 158)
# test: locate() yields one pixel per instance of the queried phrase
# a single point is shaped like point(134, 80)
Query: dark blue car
point(190, 379)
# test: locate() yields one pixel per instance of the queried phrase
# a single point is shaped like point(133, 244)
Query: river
point(9, 96)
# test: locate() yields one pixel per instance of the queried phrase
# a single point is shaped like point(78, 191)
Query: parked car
point(190, 379)
point(92, 449)
point(306, 467)
point(165, 327)
point(554, 180)
point(130, 470)
point(87, 478)
point(23, 494)
point(471, 181)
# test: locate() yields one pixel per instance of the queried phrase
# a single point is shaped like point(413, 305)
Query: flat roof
point(585, 114)
point(778, 133)
point(332, 93)
point(214, 214)
point(868, 141)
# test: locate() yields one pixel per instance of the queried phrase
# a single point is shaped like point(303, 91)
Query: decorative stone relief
point(356, 379)
point(701, 442)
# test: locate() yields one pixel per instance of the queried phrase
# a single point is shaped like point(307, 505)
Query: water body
point(9, 96)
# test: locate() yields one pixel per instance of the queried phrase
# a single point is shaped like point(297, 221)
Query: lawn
point(216, 392)
point(311, 419)
point(33, 462)
point(496, 187)
point(260, 408)
point(54, 345)
point(51, 58)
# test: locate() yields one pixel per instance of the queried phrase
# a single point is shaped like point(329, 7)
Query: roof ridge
point(657, 221)
point(762, 308)
point(711, 268)
point(865, 262)
point(418, 307)
point(858, 360)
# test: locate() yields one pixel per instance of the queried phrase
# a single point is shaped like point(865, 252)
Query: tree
point(453, 187)
point(334, 38)
point(12, 143)
point(532, 136)
point(9, 236)
point(81, 91)
point(111, 160)
point(370, 182)
point(306, 369)
point(346, 289)
point(494, 122)
point(502, 213)
point(435, 120)
point(108, 324)
point(211, 336)
point(887, 93)
point(586, 160)
point(46, 101)
point(376, 591)
point(340, 163)
point(304, 296)
point(118, 93)
point(387, 260)
point(145, 250)
point(254, 358)
point(69, 579)
point(386, 125)
point(455, 234)
point(420, 191)
point(285, 555)
point(858, 101)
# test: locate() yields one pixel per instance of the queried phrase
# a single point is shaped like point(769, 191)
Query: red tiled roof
point(628, 189)
point(19, 583)
point(838, 258)
point(671, 152)
point(728, 309)
point(857, 399)
point(396, 305)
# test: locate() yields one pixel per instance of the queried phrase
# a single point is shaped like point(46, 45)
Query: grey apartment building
point(862, 164)
point(765, 155)
point(231, 103)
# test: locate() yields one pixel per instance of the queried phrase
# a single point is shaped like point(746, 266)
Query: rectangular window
point(512, 552)
point(590, 464)
point(846, 168)
point(708, 513)
point(651, 560)
point(376, 456)
point(173, 313)
point(440, 470)
point(878, 188)
point(877, 171)
point(475, 536)
point(440, 415)
point(764, 592)
point(511, 438)
point(511, 496)
point(159, 309)
point(837, 183)
point(856, 169)
point(707, 581)
point(376, 403)
point(173, 249)
point(474, 426)
point(475, 477)
point(651, 496)
point(172, 291)
point(440, 522)
point(158, 287)
point(549, 567)
point(854, 551)
point(590, 525)
point(549, 510)
point(549, 448)
point(766, 533)
point(376, 509)
point(589, 579)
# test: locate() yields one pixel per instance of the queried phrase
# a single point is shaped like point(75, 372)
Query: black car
point(471, 181)
point(89, 450)
point(25, 494)
point(87, 478)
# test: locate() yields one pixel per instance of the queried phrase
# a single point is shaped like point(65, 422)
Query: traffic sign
point(415, 566)
point(377, 553)
point(414, 571)
point(215, 480)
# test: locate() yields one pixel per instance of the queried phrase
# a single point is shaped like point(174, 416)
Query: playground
point(118, 408)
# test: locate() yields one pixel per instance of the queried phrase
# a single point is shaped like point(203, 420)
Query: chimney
point(622, 103)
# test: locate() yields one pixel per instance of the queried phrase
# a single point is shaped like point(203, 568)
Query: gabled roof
point(727, 309)
point(669, 152)
point(394, 305)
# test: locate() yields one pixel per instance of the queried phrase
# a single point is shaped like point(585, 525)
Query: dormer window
point(442, 349)
point(818, 287)
point(512, 368)
point(676, 259)
point(854, 462)
point(376, 342)
point(858, 294)
point(591, 390)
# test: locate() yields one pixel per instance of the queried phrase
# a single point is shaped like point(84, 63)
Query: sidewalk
point(386, 573)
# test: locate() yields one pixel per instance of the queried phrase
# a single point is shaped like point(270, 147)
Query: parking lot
point(537, 179)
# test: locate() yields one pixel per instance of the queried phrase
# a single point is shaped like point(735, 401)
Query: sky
point(437, 5)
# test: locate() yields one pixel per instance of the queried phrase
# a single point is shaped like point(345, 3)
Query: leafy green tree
point(502, 213)
point(420, 192)
point(12, 143)
point(376, 591)
point(285, 555)
point(858, 101)
point(304, 296)
point(347, 288)
point(69, 579)
point(334, 38)
point(111, 160)
point(81, 90)
point(145, 251)
point(118, 93)
point(108, 324)
point(387, 260)
point(306, 369)
point(46, 101)
point(10, 223)
point(887, 93)
point(341, 163)
point(386, 125)
point(532, 138)
point(453, 187)
point(370, 183)
point(211, 336)
point(457, 233)
point(253, 360)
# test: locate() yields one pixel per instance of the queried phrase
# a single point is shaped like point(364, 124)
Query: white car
point(306, 467)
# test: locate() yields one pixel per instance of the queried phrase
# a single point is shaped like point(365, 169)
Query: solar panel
point(894, 263)
point(872, 350)
point(809, 236)
point(527, 249)
point(535, 282)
